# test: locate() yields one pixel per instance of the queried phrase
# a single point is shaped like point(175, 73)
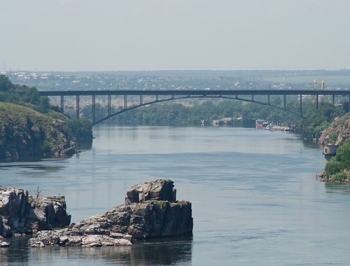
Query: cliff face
point(337, 132)
point(25, 132)
point(20, 213)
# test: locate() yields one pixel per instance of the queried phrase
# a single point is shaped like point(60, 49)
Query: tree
point(31, 96)
point(5, 83)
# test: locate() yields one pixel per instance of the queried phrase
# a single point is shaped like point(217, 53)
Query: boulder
point(160, 189)
point(21, 214)
point(155, 214)
point(4, 244)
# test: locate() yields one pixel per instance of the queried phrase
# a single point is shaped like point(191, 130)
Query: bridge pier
point(125, 101)
point(62, 103)
point(316, 101)
point(77, 106)
point(109, 104)
point(93, 110)
point(268, 99)
point(285, 101)
point(301, 105)
point(141, 100)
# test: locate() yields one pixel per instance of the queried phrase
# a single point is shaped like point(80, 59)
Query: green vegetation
point(28, 126)
point(79, 128)
point(176, 114)
point(320, 119)
point(338, 167)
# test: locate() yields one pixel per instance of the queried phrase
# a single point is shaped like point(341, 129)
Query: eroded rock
point(158, 214)
point(21, 214)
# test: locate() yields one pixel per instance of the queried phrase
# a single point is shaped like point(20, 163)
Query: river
point(254, 194)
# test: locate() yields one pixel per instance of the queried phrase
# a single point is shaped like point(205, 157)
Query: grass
point(10, 112)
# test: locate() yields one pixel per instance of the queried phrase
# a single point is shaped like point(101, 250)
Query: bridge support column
point(77, 106)
point(141, 100)
point(333, 99)
point(109, 104)
point(62, 103)
point(268, 99)
point(301, 105)
point(156, 98)
point(316, 102)
point(93, 110)
point(285, 101)
point(125, 101)
point(252, 97)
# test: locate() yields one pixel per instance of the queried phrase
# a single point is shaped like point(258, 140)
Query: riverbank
point(322, 177)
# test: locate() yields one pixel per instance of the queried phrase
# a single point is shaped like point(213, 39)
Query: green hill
point(25, 132)
point(31, 126)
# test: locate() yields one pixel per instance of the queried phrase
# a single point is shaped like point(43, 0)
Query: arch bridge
point(186, 94)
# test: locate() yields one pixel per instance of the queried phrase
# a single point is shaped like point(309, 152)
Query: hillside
point(337, 132)
point(25, 132)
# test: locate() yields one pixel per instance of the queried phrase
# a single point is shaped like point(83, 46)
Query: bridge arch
point(185, 94)
point(141, 104)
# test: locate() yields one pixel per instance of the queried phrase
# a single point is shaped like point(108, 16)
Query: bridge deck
point(194, 92)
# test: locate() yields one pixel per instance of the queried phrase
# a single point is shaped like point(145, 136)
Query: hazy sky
point(69, 35)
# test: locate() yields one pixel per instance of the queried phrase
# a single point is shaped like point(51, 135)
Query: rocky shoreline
point(322, 177)
point(150, 211)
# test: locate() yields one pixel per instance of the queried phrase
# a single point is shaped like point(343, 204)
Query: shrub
point(343, 154)
point(81, 129)
point(46, 147)
point(332, 167)
point(339, 176)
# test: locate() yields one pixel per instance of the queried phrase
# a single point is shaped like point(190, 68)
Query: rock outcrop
point(20, 213)
point(337, 132)
point(161, 189)
point(150, 210)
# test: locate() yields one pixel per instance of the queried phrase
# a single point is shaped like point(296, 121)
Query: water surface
point(254, 194)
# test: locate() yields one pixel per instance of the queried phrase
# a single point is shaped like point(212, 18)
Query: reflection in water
point(311, 144)
point(33, 170)
point(152, 252)
point(162, 252)
point(17, 253)
point(21, 159)
point(84, 145)
point(337, 188)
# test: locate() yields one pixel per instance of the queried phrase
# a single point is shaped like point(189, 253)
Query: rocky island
point(150, 211)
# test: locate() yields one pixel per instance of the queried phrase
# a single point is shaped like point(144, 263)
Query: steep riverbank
point(338, 168)
point(25, 132)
